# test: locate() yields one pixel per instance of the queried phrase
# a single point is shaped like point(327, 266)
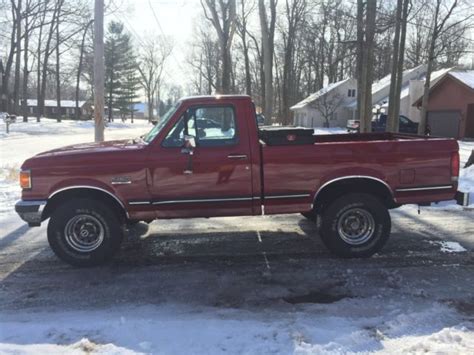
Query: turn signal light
point(25, 179)
point(455, 165)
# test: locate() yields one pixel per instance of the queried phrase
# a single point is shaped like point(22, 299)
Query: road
point(243, 262)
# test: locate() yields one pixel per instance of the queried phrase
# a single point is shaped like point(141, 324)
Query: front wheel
point(355, 226)
point(84, 232)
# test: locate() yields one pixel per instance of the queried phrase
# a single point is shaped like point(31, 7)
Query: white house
point(328, 104)
point(311, 111)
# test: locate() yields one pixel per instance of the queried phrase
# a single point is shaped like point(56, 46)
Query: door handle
point(237, 156)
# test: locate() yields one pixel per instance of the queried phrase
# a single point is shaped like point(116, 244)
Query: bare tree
point(295, 12)
point(154, 54)
point(222, 15)
point(328, 104)
point(267, 27)
point(242, 20)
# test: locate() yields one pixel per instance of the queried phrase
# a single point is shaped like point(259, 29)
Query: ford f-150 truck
point(207, 157)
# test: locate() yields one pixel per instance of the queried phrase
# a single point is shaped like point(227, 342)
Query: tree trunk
point(6, 71)
point(268, 31)
point(24, 103)
point(16, 85)
point(392, 118)
point(429, 69)
point(369, 55)
point(401, 59)
point(361, 72)
point(58, 77)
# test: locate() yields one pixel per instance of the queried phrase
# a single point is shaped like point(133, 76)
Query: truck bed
point(401, 161)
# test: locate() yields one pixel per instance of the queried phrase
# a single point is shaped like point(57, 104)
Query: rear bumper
point(31, 211)
point(462, 198)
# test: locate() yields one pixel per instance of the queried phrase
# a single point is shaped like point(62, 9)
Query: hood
point(89, 148)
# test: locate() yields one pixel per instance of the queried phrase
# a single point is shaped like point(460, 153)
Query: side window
point(215, 125)
point(211, 125)
point(175, 137)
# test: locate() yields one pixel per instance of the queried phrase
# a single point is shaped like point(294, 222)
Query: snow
point(467, 77)
point(179, 329)
point(449, 247)
point(54, 103)
point(330, 130)
point(318, 94)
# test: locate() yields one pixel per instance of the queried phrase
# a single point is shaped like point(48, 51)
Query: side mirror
point(189, 144)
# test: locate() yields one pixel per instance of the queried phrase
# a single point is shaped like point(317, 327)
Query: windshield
point(159, 126)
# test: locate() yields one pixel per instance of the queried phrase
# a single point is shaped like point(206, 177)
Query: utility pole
point(99, 70)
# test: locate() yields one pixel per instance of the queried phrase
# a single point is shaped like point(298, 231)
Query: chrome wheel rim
point(356, 226)
point(84, 233)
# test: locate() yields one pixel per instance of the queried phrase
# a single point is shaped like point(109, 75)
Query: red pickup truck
point(207, 157)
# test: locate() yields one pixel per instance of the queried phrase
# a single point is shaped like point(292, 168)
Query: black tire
point(102, 225)
point(349, 214)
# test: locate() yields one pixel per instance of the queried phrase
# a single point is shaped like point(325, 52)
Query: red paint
point(292, 175)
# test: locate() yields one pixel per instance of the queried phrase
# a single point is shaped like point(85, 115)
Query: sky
point(174, 19)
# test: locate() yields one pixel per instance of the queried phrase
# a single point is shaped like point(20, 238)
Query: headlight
point(25, 179)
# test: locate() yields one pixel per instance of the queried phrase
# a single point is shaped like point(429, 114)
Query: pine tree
point(121, 81)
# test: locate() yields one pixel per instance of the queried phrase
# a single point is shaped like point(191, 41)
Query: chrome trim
point(203, 200)
point(139, 203)
point(441, 187)
point(286, 196)
point(121, 182)
point(351, 177)
point(237, 156)
point(92, 188)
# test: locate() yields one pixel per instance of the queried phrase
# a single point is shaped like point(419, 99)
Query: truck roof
point(214, 97)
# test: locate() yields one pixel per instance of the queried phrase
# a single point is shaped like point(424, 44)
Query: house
point(141, 111)
point(67, 109)
point(450, 111)
point(308, 112)
point(326, 106)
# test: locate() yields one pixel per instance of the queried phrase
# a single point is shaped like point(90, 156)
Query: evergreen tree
point(121, 81)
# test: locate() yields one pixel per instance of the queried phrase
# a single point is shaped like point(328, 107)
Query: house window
point(351, 93)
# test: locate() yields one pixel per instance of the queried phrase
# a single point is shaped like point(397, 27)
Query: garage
point(444, 123)
point(450, 109)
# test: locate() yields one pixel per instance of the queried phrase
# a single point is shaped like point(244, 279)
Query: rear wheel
point(85, 232)
point(355, 225)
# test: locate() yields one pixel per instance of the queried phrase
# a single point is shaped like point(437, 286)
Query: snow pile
point(338, 328)
point(449, 247)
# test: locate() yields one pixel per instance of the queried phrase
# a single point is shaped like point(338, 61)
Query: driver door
point(215, 179)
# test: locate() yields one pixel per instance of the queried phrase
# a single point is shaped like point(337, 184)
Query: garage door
point(444, 123)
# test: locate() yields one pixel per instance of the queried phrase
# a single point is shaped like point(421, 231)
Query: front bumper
point(31, 211)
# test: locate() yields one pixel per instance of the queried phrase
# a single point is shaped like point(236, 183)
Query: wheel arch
point(337, 187)
point(59, 196)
